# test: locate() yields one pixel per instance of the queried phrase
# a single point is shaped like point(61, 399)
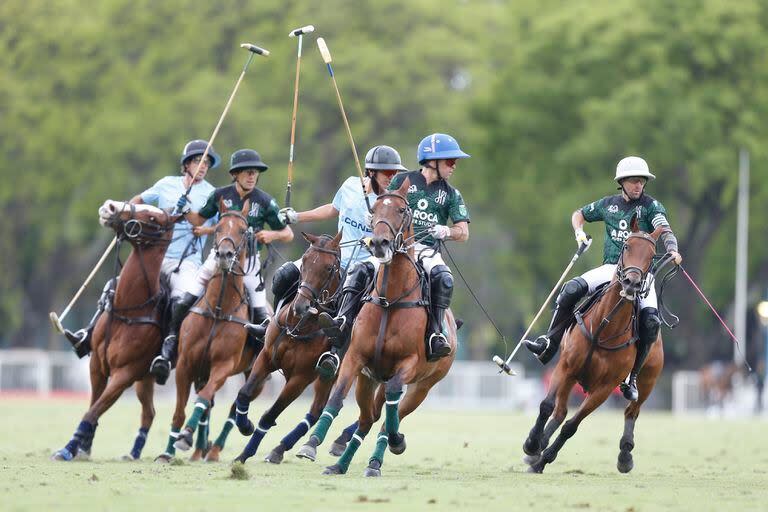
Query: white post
point(742, 227)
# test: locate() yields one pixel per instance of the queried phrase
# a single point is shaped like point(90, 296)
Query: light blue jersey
point(350, 203)
point(165, 194)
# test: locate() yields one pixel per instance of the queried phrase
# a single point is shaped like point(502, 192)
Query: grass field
point(457, 461)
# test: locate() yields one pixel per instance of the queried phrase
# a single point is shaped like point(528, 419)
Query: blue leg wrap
point(83, 433)
point(298, 432)
point(138, 444)
point(255, 440)
point(241, 411)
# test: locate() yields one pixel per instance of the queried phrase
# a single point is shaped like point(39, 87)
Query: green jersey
point(617, 214)
point(263, 209)
point(431, 204)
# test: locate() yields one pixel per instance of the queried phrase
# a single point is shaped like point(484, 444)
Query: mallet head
point(56, 322)
point(504, 366)
point(255, 49)
point(324, 50)
point(300, 31)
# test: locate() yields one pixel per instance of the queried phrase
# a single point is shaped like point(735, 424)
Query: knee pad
point(441, 285)
point(359, 277)
point(572, 292)
point(650, 322)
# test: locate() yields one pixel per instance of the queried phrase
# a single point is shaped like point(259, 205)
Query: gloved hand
point(369, 219)
point(288, 215)
point(182, 206)
point(678, 259)
point(440, 232)
point(581, 237)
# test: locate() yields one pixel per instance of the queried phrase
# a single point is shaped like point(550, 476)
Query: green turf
point(456, 461)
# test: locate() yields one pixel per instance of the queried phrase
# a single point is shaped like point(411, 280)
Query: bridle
point(323, 296)
point(622, 270)
point(141, 232)
point(246, 240)
point(398, 241)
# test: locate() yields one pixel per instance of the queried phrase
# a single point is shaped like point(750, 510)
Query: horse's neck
point(136, 284)
point(403, 277)
point(234, 293)
point(605, 306)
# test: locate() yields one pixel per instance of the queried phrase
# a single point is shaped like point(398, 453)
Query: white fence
point(469, 384)
point(689, 397)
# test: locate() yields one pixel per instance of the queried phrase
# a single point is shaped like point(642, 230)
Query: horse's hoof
point(128, 458)
point(163, 458)
point(83, 455)
point(531, 447)
point(184, 442)
point(333, 470)
point(398, 446)
point(625, 462)
point(239, 460)
point(337, 449)
point(531, 459)
point(308, 452)
point(536, 468)
point(213, 454)
point(372, 472)
point(275, 456)
point(63, 455)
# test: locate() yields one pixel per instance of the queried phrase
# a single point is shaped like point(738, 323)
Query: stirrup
point(438, 346)
point(328, 364)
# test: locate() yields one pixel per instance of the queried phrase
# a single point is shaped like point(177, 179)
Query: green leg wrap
point(392, 419)
point(324, 423)
point(202, 435)
point(169, 449)
point(224, 433)
point(201, 405)
point(349, 452)
point(381, 447)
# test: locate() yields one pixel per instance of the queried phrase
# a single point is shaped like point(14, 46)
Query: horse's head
point(139, 223)
point(391, 223)
point(230, 237)
point(636, 260)
point(320, 276)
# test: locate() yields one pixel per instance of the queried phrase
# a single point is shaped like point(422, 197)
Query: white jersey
point(350, 203)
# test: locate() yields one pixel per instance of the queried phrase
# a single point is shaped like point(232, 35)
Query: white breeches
point(252, 281)
point(429, 257)
point(185, 274)
point(605, 273)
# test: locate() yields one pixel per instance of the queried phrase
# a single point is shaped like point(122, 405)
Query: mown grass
point(463, 460)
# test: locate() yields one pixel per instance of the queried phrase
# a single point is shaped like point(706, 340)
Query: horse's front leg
point(351, 367)
point(250, 390)
point(533, 444)
point(145, 390)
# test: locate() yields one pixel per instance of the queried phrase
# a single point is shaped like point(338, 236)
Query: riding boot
point(285, 283)
point(441, 291)
point(259, 317)
point(339, 328)
point(162, 364)
point(546, 346)
point(81, 339)
point(649, 331)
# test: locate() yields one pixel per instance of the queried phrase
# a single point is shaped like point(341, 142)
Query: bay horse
point(293, 343)
point(212, 338)
point(128, 334)
point(597, 353)
point(387, 344)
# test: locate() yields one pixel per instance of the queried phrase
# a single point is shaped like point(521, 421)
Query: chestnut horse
point(212, 338)
point(597, 352)
point(387, 344)
point(128, 335)
point(293, 343)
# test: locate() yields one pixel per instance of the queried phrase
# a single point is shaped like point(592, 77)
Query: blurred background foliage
point(97, 100)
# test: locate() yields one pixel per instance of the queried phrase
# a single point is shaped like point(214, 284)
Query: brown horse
point(387, 342)
point(128, 336)
point(292, 344)
point(601, 359)
point(212, 340)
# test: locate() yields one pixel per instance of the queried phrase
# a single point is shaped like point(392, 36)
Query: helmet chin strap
point(624, 191)
point(436, 168)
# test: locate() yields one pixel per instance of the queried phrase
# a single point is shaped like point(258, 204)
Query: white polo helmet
point(631, 167)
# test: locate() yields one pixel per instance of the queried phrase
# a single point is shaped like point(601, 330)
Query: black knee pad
point(650, 323)
point(285, 282)
point(441, 285)
point(572, 291)
point(359, 277)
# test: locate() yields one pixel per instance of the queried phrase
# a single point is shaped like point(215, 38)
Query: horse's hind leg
point(645, 383)
point(145, 390)
point(293, 388)
point(322, 390)
point(364, 393)
point(218, 375)
point(593, 400)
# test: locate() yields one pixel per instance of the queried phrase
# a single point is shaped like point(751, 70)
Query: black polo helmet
point(197, 147)
point(244, 159)
point(382, 158)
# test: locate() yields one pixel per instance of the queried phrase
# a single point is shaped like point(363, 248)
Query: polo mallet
point(57, 319)
point(504, 365)
point(327, 59)
point(253, 50)
point(299, 32)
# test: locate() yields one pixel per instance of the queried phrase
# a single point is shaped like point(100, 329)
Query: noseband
point(398, 240)
point(246, 239)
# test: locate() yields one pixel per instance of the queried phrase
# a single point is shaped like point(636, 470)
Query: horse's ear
point(309, 237)
point(222, 206)
point(403, 190)
point(634, 225)
point(337, 238)
point(246, 207)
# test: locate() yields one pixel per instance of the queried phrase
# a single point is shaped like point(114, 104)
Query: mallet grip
point(255, 49)
point(326, 54)
point(303, 30)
